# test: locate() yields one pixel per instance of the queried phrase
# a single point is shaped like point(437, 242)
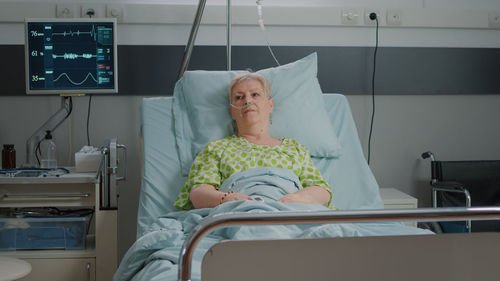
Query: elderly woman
point(250, 106)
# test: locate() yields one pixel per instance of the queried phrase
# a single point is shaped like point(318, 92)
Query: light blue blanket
point(155, 254)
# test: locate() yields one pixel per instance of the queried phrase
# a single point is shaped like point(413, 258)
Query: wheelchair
point(465, 184)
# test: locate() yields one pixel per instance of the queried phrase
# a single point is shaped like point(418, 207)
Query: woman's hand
point(311, 195)
point(292, 198)
point(207, 196)
point(235, 196)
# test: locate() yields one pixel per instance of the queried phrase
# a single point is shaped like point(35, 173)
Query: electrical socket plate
point(494, 19)
point(350, 16)
point(99, 10)
point(394, 17)
point(115, 11)
point(368, 21)
point(65, 10)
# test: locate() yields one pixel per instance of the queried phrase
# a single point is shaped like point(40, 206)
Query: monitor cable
point(90, 13)
point(373, 16)
point(88, 119)
point(70, 140)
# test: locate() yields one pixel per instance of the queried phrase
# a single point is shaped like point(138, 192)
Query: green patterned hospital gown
point(222, 158)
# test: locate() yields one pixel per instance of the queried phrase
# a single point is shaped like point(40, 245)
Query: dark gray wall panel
point(152, 70)
point(12, 70)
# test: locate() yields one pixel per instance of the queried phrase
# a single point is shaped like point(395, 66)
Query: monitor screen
point(71, 56)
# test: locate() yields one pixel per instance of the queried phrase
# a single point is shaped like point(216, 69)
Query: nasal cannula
point(242, 107)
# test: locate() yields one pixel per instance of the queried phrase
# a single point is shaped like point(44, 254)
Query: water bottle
point(8, 156)
point(48, 152)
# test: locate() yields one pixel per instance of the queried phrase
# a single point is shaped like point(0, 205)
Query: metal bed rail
point(422, 215)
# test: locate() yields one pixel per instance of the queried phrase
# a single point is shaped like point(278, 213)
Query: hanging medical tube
point(422, 215)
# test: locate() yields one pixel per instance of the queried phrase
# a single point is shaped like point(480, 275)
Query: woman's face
point(250, 92)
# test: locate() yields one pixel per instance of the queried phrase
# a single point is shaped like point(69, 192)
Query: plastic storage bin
point(42, 233)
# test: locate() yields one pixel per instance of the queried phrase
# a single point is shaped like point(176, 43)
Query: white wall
point(454, 127)
point(439, 23)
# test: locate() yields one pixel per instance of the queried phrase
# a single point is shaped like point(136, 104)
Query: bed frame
point(460, 257)
point(440, 257)
point(437, 257)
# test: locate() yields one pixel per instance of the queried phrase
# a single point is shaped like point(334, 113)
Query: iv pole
point(194, 31)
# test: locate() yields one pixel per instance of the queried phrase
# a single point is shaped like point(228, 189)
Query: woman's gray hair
point(250, 76)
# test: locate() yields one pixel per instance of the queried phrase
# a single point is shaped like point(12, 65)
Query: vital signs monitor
point(71, 56)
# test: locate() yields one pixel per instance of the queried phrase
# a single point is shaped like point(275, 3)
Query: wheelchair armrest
point(451, 185)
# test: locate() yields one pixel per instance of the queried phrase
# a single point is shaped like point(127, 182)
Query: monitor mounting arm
point(50, 125)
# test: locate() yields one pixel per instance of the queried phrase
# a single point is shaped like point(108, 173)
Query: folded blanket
point(268, 183)
point(154, 255)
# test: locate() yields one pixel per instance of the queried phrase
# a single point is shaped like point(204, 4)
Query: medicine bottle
point(8, 157)
point(48, 152)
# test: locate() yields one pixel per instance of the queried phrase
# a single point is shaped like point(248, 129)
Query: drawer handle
point(31, 196)
point(88, 271)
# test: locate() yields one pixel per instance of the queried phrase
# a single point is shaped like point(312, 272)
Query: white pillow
point(201, 109)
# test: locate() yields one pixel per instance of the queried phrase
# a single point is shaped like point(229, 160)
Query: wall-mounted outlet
point(394, 17)
point(369, 21)
point(98, 10)
point(65, 10)
point(494, 19)
point(115, 11)
point(350, 16)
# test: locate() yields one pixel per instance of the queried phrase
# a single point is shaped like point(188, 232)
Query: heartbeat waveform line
point(76, 83)
point(71, 56)
point(71, 33)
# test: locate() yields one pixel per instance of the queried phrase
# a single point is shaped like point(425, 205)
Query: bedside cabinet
point(396, 199)
point(98, 259)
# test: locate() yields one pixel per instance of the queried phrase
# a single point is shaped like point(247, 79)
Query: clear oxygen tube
point(263, 28)
point(246, 105)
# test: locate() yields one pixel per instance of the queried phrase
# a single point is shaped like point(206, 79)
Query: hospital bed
point(310, 241)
